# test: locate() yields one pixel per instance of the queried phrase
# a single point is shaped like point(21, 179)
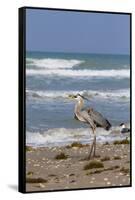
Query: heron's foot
point(86, 158)
point(92, 157)
point(96, 156)
point(89, 157)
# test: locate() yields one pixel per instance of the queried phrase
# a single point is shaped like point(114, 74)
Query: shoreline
point(61, 168)
point(59, 137)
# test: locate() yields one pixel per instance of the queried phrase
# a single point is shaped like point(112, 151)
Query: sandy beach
point(55, 168)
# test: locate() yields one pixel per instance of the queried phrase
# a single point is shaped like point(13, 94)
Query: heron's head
point(77, 97)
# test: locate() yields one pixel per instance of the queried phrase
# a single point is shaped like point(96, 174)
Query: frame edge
point(21, 93)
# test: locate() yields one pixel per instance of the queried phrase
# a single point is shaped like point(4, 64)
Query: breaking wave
point(63, 136)
point(116, 94)
point(123, 73)
point(49, 63)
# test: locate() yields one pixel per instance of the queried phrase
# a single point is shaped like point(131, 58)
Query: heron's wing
point(98, 119)
point(87, 118)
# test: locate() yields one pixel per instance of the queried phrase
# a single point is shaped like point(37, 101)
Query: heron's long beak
point(70, 96)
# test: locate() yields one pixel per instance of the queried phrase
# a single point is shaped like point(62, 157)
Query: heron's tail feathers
point(108, 125)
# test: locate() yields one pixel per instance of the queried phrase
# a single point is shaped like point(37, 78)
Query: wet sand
point(45, 172)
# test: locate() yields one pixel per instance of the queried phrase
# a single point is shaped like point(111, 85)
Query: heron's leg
point(91, 149)
point(94, 153)
point(92, 146)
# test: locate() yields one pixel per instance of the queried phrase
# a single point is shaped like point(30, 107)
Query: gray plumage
point(91, 117)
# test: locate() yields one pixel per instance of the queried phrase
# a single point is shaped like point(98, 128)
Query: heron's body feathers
point(92, 117)
point(99, 119)
point(83, 116)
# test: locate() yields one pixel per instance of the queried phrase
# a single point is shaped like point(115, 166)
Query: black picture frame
point(22, 98)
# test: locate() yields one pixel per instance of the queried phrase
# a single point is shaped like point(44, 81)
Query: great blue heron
point(91, 117)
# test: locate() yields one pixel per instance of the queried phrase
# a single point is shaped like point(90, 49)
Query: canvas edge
point(22, 98)
point(21, 93)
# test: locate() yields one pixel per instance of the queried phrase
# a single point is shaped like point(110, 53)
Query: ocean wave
point(63, 136)
point(123, 94)
point(49, 63)
point(123, 73)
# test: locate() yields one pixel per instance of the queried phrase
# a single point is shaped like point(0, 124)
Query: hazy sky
point(64, 31)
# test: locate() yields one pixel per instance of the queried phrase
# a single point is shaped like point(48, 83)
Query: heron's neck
point(79, 105)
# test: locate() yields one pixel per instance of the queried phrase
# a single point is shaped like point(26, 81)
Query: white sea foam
point(49, 63)
point(123, 73)
point(123, 94)
point(62, 136)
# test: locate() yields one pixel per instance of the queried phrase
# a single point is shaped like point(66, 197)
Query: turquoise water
point(51, 77)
